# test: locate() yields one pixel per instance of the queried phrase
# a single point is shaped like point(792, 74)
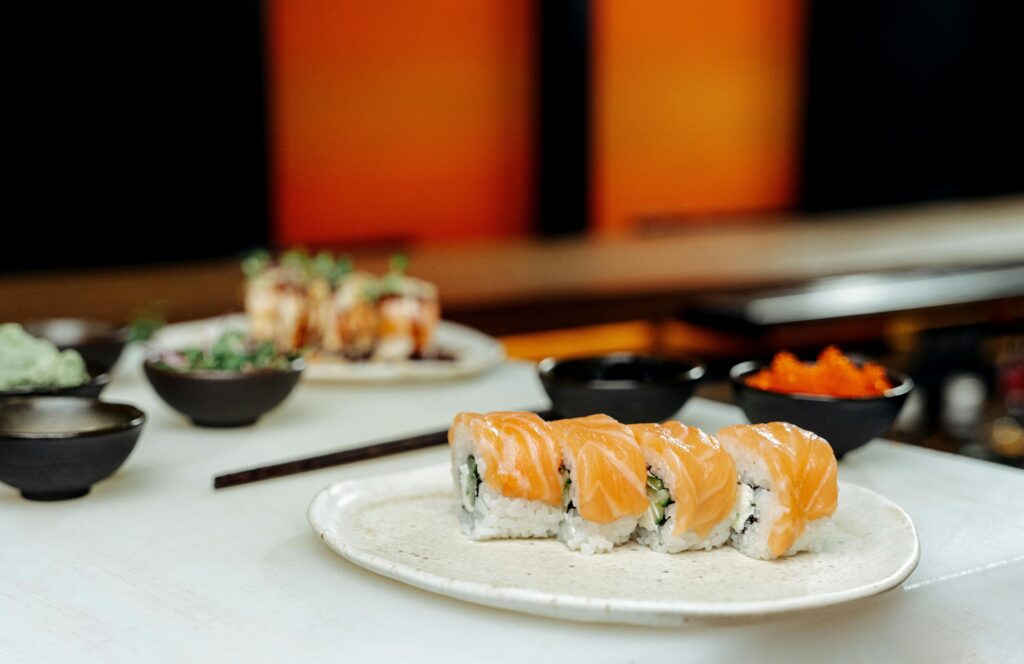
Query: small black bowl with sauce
point(98, 342)
point(56, 448)
point(630, 388)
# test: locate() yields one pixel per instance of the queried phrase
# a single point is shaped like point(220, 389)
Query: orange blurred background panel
point(695, 108)
point(400, 120)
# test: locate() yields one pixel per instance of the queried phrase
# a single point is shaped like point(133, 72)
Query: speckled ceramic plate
point(473, 352)
point(404, 526)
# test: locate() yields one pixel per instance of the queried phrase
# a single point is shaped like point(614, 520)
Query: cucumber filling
point(470, 483)
point(747, 514)
point(658, 498)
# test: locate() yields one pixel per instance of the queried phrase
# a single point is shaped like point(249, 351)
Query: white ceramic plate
point(404, 526)
point(474, 353)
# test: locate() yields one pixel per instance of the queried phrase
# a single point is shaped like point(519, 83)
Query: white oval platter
point(404, 526)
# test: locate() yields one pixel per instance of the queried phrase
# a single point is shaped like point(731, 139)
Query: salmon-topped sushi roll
point(691, 488)
point(604, 476)
point(291, 329)
point(505, 467)
point(407, 315)
point(320, 305)
point(261, 306)
point(352, 332)
point(788, 488)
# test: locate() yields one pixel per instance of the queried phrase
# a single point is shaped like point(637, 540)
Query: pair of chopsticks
point(338, 458)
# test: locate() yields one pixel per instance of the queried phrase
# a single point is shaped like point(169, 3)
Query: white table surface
point(155, 566)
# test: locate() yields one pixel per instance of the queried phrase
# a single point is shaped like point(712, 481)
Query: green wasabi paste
point(28, 363)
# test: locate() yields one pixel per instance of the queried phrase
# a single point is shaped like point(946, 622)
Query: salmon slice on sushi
point(788, 489)
point(691, 488)
point(505, 468)
point(604, 478)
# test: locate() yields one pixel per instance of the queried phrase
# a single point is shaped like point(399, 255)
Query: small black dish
point(846, 423)
point(98, 379)
point(56, 448)
point(630, 388)
point(96, 341)
point(213, 398)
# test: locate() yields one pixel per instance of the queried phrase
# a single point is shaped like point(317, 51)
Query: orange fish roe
point(833, 374)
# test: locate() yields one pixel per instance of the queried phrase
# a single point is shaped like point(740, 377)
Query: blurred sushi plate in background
point(459, 351)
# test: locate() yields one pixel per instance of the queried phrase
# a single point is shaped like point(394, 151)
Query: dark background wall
point(139, 135)
point(913, 100)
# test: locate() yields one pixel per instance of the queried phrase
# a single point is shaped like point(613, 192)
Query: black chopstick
point(371, 451)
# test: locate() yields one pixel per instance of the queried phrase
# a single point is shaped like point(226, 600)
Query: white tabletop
point(155, 566)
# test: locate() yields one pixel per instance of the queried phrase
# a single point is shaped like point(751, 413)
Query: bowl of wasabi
point(30, 366)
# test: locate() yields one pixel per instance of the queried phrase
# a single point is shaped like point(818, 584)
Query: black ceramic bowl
point(98, 379)
point(96, 341)
point(55, 448)
point(223, 398)
point(630, 388)
point(846, 423)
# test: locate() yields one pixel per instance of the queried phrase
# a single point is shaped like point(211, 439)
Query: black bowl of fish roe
point(845, 422)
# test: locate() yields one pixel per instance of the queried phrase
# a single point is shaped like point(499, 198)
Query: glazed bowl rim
point(134, 418)
point(222, 375)
point(546, 369)
point(112, 332)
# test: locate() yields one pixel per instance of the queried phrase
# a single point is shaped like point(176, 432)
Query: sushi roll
point(291, 328)
point(320, 305)
point(277, 308)
point(788, 489)
point(407, 315)
point(324, 274)
point(353, 330)
point(261, 302)
point(604, 477)
point(320, 302)
point(264, 284)
point(505, 468)
point(691, 488)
